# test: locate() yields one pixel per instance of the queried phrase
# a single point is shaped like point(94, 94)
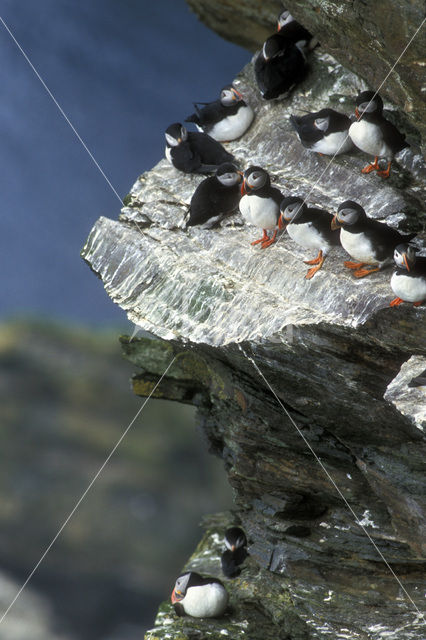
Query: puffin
point(310, 228)
point(260, 204)
point(216, 196)
point(294, 32)
point(370, 242)
point(235, 553)
point(278, 67)
point(193, 152)
point(409, 280)
point(375, 135)
point(199, 597)
point(324, 131)
point(225, 119)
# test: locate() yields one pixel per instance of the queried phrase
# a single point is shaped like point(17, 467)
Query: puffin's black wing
point(384, 238)
point(306, 130)
point(321, 219)
point(210, 151)
point(211, 113)
point(294, 32)
point(279, 74)
point(211, 199)
point(184, 158)
point(392, 137)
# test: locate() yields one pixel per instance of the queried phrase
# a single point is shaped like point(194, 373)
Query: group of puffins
point(279, 66)
point(207, 597)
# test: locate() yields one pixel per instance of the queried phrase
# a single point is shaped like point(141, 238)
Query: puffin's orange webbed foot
point(373, 166)
point(353, 265)
point(385, 173)
point(316, 260)
point(395, 302)
point(264, 238)
point(269, 241)
point(361, 273)
point(417, 304)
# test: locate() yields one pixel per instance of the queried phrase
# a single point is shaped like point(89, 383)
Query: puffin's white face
point(347, 216)
point(174, 142)
point(292, 210)
point(229, 179)
point(239, 542)
point(322, 123)
point(181, 584)
point(229, 96)
point(404, 256)
point(367, 107)
point(256, 179)
point(284, 18)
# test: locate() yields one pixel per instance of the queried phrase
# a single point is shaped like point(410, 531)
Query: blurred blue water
point(122, 72)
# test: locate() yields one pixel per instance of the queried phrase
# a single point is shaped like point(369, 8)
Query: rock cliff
point(279, 366)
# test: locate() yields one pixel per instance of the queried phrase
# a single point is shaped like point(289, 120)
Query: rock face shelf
point(244, 325)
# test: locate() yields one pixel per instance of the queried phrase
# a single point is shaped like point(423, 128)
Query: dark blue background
point(122, 71)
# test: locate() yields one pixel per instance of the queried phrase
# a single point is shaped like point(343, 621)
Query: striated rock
point(249, 332)
point(365, 36)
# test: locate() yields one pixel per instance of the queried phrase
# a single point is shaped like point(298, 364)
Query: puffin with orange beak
point(409, 280)
point(236, 552)
point(225, 119)
point(260, 204)
point(199, 597)
point(375, 135)
point(370, 242)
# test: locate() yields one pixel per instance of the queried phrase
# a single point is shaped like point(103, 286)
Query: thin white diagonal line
point(330, 477)
point(60, 109)
point(84, 494)
point(361, 114)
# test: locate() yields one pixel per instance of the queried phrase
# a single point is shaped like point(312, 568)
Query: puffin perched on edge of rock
point(278, 67)
point(260, 204)
point(324, 131)
point(368, 241)
point(409, 280)
point(193, 152)
point(216, 196)
point(373, 134)
point(236, 552)
point(224, 119)
point(199, 597)
point(310, 228)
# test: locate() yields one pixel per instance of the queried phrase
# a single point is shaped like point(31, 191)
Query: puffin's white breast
point(368, 137)
point(261, 212)
point(408, 288)
point(307, 236)
point(232, 127)
point(168, 154)
point(334, 143)
point(358, 246)
point(206, 601)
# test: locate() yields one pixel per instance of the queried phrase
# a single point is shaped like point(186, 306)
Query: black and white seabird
point(294, 32)
point(373, 134)
point(236, 552)
point(224, 119)
point(193, 152)
point(310, 228)
point(278, 67)
point(324, 131)
point(409, 280)
point(216, 197)
point(370, 242)
point(260, 204)
point(199, 597)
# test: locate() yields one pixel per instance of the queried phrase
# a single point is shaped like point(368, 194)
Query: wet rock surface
point(248, 331)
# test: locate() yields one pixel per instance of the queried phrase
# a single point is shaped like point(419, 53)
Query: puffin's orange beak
point(243, 187)
point(282, 222)
point(237, 93)
point(335, 224)
point(357, 112)
point(406, 261)
point(176, 596)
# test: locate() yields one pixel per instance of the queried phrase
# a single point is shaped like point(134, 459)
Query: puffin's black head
point(229, 95)
point(368, 102)
point(175, 134)
point(405, 256)
point(291, 207)
point(348, 213)
point(272, 46)
point(284, 18)
point(254, 178)
point(184, 581)
point(228, 174)
point(235, 538)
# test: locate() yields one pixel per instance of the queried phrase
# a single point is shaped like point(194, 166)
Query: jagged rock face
point(367, 37)
point(329, 347)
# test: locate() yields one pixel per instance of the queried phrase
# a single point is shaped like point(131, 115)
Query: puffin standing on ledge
point(310, 228)
point(260, 204)
point(374, 134)
point(224, 119)
point(368, 241)
point(325, 131)
point(216, 197)
point(193, 152)
point(199, 597)
point(236, 552)
point(409, 280)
